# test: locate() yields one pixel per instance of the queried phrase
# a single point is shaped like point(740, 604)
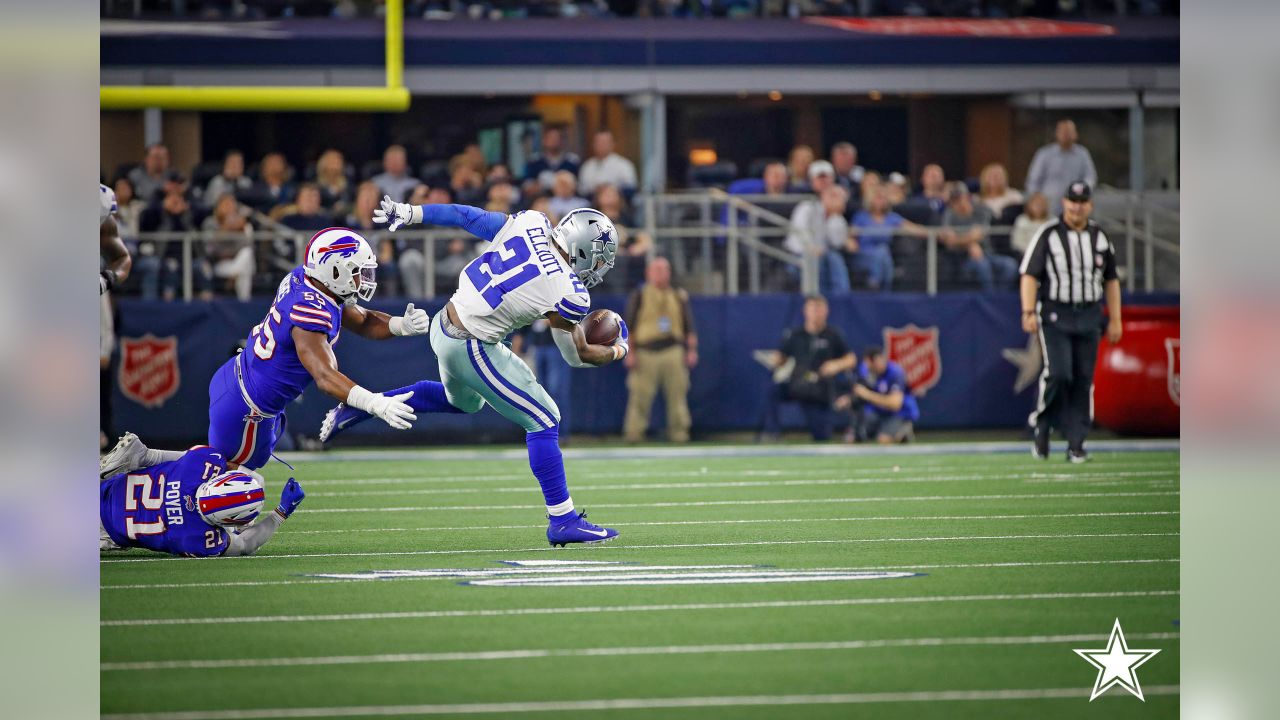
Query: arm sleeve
point(568, 349)
point(574, 307)
point(481, 223)
point(1033, 260)
point(247, 541)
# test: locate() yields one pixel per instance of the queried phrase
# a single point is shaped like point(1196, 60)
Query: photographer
point(881, 402)
point(820, 354)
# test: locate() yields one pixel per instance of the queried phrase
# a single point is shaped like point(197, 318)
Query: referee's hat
point(1079, 191)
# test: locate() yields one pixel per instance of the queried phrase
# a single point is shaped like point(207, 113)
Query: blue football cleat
point(340, 418)
point(577, 530)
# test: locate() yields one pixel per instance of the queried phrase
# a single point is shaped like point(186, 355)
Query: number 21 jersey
point(519, 278)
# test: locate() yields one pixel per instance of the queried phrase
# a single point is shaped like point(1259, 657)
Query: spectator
point(229, 246)
point(606, 166)
point(965, 238)
point(881, 401)
point(149, 178)
point(360, 219)
point(308, 213)
point(231, 180)
point(1060, 163)
point(819, 354)
point(564, 196)
point(933, 187)
point(439, 196)
point(873, 230)
point(331, 178)
point(472, 157)
point(798, 163)
point(609, 201)
point(395, 180)
point(173, 215)
point(664, 348)
point(274, 189)
point(871, 182)
point(419, 195)
point(128, 209)
point(542, 204)
point(466, 184)
point(994, 190)
point(1034, 215)
point(819, 228)
point(458, 253)
point(898, 189)
point(553, 158)
point(498, 173)
point(844, 158)
point(502, 198)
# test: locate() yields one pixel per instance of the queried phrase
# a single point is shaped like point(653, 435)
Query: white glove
point(415, 321)
point(396, 214)
point(390, 410)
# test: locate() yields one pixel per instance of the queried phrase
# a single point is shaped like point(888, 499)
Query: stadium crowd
point(867, 229)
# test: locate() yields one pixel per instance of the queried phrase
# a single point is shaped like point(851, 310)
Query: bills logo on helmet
point(343, 248)
point(916, 350)
point(149, 369)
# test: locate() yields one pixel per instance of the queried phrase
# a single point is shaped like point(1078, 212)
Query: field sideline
point(931, 581)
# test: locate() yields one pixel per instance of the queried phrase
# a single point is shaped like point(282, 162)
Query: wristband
point(359, 398)
point(1028, 312)
point(280, 511)
point(415, 215)
point(396, 325)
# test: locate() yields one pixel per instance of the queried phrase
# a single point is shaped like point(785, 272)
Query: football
point(601, 327)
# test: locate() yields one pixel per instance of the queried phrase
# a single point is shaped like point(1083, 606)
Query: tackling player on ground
point(528, 271)
point(293, 346)
point(184, 503)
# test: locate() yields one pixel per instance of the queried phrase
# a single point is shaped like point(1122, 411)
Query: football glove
point(415, 321)
point(396, 214)
point(391, 410)
point(290, 498)
point(623, 339)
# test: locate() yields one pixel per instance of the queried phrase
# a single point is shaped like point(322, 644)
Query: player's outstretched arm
point(481, 223)
point(575, 349)
point(377, 325)
point(247, 541)
point(317, 357)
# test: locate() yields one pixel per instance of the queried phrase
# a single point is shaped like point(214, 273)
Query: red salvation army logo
point(916, 350)
point(149, 369)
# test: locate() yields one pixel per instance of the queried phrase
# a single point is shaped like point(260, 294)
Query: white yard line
point(615, 546)
point(902, 518)
point(435, 614)
point(888, 479)
point(486, 655)
point(784, 501)
point(946, 566)
point(636, 704)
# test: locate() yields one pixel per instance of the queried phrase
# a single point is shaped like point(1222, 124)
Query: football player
point(292, 346)
point(528, 271)
point(114, 254)
point(184, 504)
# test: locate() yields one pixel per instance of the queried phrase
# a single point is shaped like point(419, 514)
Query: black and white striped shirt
point(1071, 266)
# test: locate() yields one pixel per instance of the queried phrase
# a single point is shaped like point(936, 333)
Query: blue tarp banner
point(952, 346)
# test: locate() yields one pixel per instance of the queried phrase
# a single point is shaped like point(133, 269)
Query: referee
point(1068, 270)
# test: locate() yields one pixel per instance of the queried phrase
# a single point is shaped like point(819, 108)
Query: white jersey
point(519, 278)
point(106, 203)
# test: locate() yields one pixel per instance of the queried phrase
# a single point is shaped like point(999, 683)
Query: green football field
point(776, 584)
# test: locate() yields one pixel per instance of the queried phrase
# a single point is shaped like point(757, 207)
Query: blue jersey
point(154, 507)
point(273, 374)
point(894, 378)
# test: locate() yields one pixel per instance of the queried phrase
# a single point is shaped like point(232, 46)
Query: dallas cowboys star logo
point(1027, 361)
point(1117, 664)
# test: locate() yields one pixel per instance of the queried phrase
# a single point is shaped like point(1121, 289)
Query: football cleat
point(577, 530)
point(340, 418)
point(1075, 457)
point(128, 454)
point(1040, 446)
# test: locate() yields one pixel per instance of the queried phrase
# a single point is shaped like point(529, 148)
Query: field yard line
point(431, 614)
point(601, 547)
point(484, 655)
point(1172, 468)
point(950, 566)
point(784, 501)
point(667, 452)
point(664, 523)
point(1064, 478)
point(633, 704)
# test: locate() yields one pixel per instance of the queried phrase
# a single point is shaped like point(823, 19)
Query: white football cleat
point(128, 454)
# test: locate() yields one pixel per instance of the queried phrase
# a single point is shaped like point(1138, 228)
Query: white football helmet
point(342, 261)
point(589, 239)
point(232, 499)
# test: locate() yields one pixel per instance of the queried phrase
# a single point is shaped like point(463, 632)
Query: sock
point(155, 457)
point(428, 397)
point(547, 465)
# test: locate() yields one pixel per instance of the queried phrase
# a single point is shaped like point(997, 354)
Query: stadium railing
point(722, 244)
